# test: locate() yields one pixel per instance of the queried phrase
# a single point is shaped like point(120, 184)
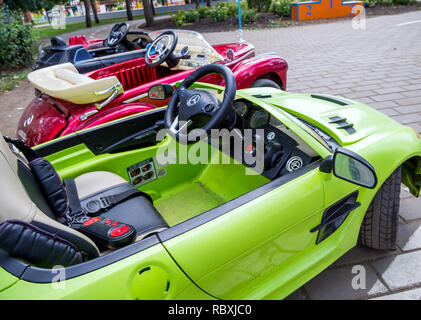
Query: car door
point(253, 237)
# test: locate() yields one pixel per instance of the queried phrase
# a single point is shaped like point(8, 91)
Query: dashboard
point(284, 152)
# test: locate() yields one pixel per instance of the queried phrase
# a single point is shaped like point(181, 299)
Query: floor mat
point(185, 202)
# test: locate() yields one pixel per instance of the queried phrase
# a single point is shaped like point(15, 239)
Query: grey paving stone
point(410, 209)
point(414, 93)
point(409, 236)
point(336, 284)
point(409, 109)
point(383, 104)
point(387, 97)
point(401, 271)
point(360, 254)
point(297, 295)
point(409, 101)
point(414, 294)
point(408, 118)
point(389, 90)
point(389, 112)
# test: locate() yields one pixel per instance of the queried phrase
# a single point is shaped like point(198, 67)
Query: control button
point(209, 108)
point(108, 221)
point(119, 231)
point(249, 148)
point(114, 224)
point(271, 135)
point(90, 221)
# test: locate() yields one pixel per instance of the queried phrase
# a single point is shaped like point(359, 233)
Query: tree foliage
point(32, 5)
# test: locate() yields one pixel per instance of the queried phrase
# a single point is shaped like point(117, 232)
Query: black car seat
point(34, 209)
point(59, 52)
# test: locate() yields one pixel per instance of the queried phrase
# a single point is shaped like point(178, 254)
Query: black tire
point(380, 224)
point(259, 83)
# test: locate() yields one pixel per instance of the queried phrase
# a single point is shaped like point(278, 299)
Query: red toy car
point(67, 101)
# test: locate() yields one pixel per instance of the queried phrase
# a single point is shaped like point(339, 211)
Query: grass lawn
point(9, 80)
point(48, 32)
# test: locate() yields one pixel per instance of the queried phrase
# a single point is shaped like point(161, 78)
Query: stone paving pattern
point(380, 66)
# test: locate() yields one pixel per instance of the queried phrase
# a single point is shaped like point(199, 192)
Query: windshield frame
point(198, 35)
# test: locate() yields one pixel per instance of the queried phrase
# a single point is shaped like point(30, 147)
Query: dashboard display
point(240, 108)
point(259, 119)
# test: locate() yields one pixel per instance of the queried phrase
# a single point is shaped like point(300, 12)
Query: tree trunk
point(129, 9)
point(87, 14)
point(148, 12)
point(197, 3)
point(93, 5)
point(153, 8)
point(209, 3)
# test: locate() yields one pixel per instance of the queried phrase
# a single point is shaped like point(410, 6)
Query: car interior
point(123, 44)
point(65, 81)
point(88, 194)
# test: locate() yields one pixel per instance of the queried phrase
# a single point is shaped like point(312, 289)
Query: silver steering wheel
point(161, 48)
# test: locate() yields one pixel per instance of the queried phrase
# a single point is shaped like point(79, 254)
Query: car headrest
point(58, 42)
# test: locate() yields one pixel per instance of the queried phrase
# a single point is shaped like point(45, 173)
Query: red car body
point(47, 118)
point(85, 42)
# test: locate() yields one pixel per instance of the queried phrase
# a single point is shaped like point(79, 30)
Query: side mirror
point(160, 92)
point(349, 166)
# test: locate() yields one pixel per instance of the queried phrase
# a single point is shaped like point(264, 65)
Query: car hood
point(322, 110)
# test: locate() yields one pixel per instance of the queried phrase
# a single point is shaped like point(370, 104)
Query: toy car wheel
point(265, 83)
point(380, 224)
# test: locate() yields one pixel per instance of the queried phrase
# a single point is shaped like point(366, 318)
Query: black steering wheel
point(161, 48)
point(117, 34)
point(186, 103)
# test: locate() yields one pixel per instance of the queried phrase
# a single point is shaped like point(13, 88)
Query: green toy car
point(154, 208)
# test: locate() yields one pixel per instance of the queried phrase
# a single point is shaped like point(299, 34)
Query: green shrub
point(386, 3)
point(260, 5)
point(369, 3)
point(221, 5)
point(18, 45)
point(249, 16)
point(401, 2)
point(191, 16)
point(219, 14)
point(204, 11)
point(178, 18)
point(281, 8)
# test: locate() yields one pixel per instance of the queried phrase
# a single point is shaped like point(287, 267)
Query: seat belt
point(96, 206)
point(78, 214)
point(75, 215)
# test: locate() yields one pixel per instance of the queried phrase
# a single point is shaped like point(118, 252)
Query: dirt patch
point(12, 105)
point(268, 20)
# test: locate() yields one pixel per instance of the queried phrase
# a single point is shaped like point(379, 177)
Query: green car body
point(247, 237)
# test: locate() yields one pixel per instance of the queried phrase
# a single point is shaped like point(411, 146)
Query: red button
point(249, 148)
point(107, 221)
point(114, 224)
point(90, 221)
point(119, 231)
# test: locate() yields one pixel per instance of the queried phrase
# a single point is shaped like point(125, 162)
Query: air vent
point(342, 124)
point(341, 102)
